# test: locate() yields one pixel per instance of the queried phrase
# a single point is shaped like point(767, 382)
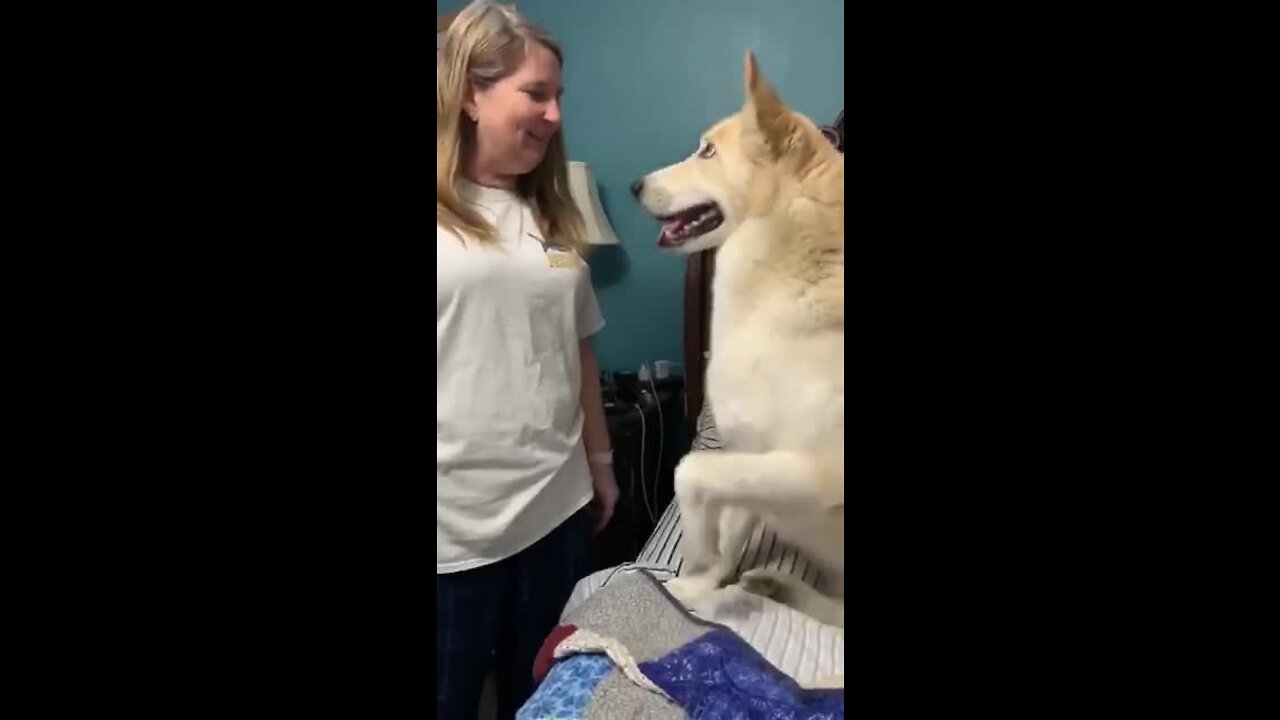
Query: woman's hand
point(606, 495)
point(595, 439)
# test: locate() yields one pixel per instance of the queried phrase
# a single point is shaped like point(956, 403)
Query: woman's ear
point(469, 102)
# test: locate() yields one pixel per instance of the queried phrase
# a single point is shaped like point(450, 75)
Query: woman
point(523, 471)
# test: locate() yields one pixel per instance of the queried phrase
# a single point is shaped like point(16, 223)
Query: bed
point(626, 648)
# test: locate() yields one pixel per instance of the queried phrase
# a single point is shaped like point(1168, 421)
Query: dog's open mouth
point(690, 223)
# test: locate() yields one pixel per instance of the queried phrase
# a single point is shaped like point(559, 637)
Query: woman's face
point(517, 116)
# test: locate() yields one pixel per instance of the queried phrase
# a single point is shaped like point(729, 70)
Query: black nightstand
point(640, 504)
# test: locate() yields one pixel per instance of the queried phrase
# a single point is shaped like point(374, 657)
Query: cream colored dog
point(767, 188)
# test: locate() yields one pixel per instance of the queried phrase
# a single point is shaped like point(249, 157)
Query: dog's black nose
point(636, 187)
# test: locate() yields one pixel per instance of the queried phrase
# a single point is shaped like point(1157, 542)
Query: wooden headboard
point(699, 270)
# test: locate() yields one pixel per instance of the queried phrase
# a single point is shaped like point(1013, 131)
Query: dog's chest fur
point(772, 382)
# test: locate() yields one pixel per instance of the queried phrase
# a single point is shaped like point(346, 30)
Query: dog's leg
point(761, 483)
point(756, 484)
point(735, 529)
point(700, 518)
point(695, 584)
point(793, 592)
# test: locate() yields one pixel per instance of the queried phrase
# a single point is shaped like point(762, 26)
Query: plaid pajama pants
point(496, 617)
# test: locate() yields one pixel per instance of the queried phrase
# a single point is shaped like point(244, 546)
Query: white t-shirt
point(510, 464)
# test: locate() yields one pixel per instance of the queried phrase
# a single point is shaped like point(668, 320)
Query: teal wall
point(643, 79)
point(444, 6)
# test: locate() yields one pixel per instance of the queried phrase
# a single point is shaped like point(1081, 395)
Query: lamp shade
point(582, 186)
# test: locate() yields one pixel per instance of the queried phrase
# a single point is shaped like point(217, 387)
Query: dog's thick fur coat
point(776, 373)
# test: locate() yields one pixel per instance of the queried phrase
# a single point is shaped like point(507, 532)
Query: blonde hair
point(486, 43)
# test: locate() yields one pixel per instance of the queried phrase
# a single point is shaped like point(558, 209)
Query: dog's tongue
point(666, 236)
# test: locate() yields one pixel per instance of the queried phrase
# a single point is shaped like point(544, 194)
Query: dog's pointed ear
point(750, 71)
point(764, 111)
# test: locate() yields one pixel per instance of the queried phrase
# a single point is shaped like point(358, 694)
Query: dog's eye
point(707, 151)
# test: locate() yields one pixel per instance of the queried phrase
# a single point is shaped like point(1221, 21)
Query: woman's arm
point(595, 437)
point(595, 431)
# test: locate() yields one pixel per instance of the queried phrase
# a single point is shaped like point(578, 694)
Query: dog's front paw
point(690, 589)
point(767, 582)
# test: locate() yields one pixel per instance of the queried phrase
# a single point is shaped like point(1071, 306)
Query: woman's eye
point(707, 151)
